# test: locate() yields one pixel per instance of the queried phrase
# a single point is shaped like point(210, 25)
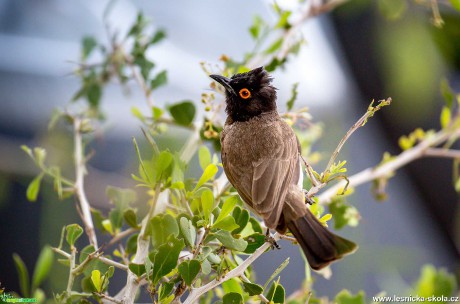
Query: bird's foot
point(271, 240)
point(308, 199)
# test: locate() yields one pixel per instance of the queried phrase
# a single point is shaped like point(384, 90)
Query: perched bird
point(261, 158)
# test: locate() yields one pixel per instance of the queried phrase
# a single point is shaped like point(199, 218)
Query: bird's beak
point(225, 82)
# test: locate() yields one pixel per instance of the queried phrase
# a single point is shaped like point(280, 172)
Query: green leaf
point(276, 294)
point(345, 297)
point(162, 226)
point(34, 188)
point(290, 102)
point(445, 117)
point(42, 267)
point(131, 244)
point(446, 90)
point(254, 242)
point(189, 270)
point(110, 271)
point(227, 207)
point(206, 267)
point(255, 225)
point(204, 156)
point(188, 231)
point(40, 155)
point(107, 224)
point(343, 214)
point(252, 288)
point(207, 203)
point(275, 46)
point(27, 150)
point(137, 28)
point(98, 218)
point(137, 113)
point(121, 198)
point(232, 285)
point(159, 35)
point(232, 298)
point(274, 64)
point(277, 272)
point(392, 9)
point(23, 275)
point(89, 43)
point(241, 217)
point(159, 168)
point(256, 27)
point(457, 185)
point(137, 269)
point(144, 65)
point(74, 231)
point(163, 162)
point(165, 259)
point(97, 280)
point(94, 93)
point(455, 4)
point(283, 22)
point(230, 242)
point(157, 112)
point(208, 173)
point(165, 289)
point(228, 223)
point(159, 80)
point(130, 218)
point(183, 112)
point(433, 282)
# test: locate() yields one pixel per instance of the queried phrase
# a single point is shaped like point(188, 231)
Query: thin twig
point(360, 123)
point(109, 298)
point(121, 235)
point(112, 263)
point(61, 252)
point(442, 153)
point(80, 171)
point(309, 171)
point(71, 279)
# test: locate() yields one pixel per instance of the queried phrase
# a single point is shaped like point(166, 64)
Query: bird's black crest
point(256, 78)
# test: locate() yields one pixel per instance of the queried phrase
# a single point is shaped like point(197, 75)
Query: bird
point(261, 159)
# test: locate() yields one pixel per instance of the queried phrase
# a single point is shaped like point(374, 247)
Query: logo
point(6, 297)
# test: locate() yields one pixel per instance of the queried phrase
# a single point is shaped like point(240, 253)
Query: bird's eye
point(245, 93)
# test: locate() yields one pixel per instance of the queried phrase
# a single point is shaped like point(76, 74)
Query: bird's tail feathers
point(321, 246)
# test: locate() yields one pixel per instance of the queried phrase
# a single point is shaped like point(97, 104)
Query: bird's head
point(248, 94)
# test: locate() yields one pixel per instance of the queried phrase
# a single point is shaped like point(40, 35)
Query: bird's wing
point(234, 177)
point(272, 178)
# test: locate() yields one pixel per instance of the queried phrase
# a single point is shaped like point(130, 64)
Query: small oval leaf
point(74, 231)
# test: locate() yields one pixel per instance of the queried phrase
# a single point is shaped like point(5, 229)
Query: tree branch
point(80, 171)
point(128, 293)
point(424, 148)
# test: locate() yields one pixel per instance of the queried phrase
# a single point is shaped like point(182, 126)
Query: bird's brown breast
point(249, 142)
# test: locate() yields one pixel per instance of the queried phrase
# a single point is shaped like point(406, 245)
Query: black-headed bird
point(261, 158)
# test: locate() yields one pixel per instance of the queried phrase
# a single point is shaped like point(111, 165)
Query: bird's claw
point(271, 240)
point(308, 199)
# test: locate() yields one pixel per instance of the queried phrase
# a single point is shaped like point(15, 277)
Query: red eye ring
point(245, 93)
